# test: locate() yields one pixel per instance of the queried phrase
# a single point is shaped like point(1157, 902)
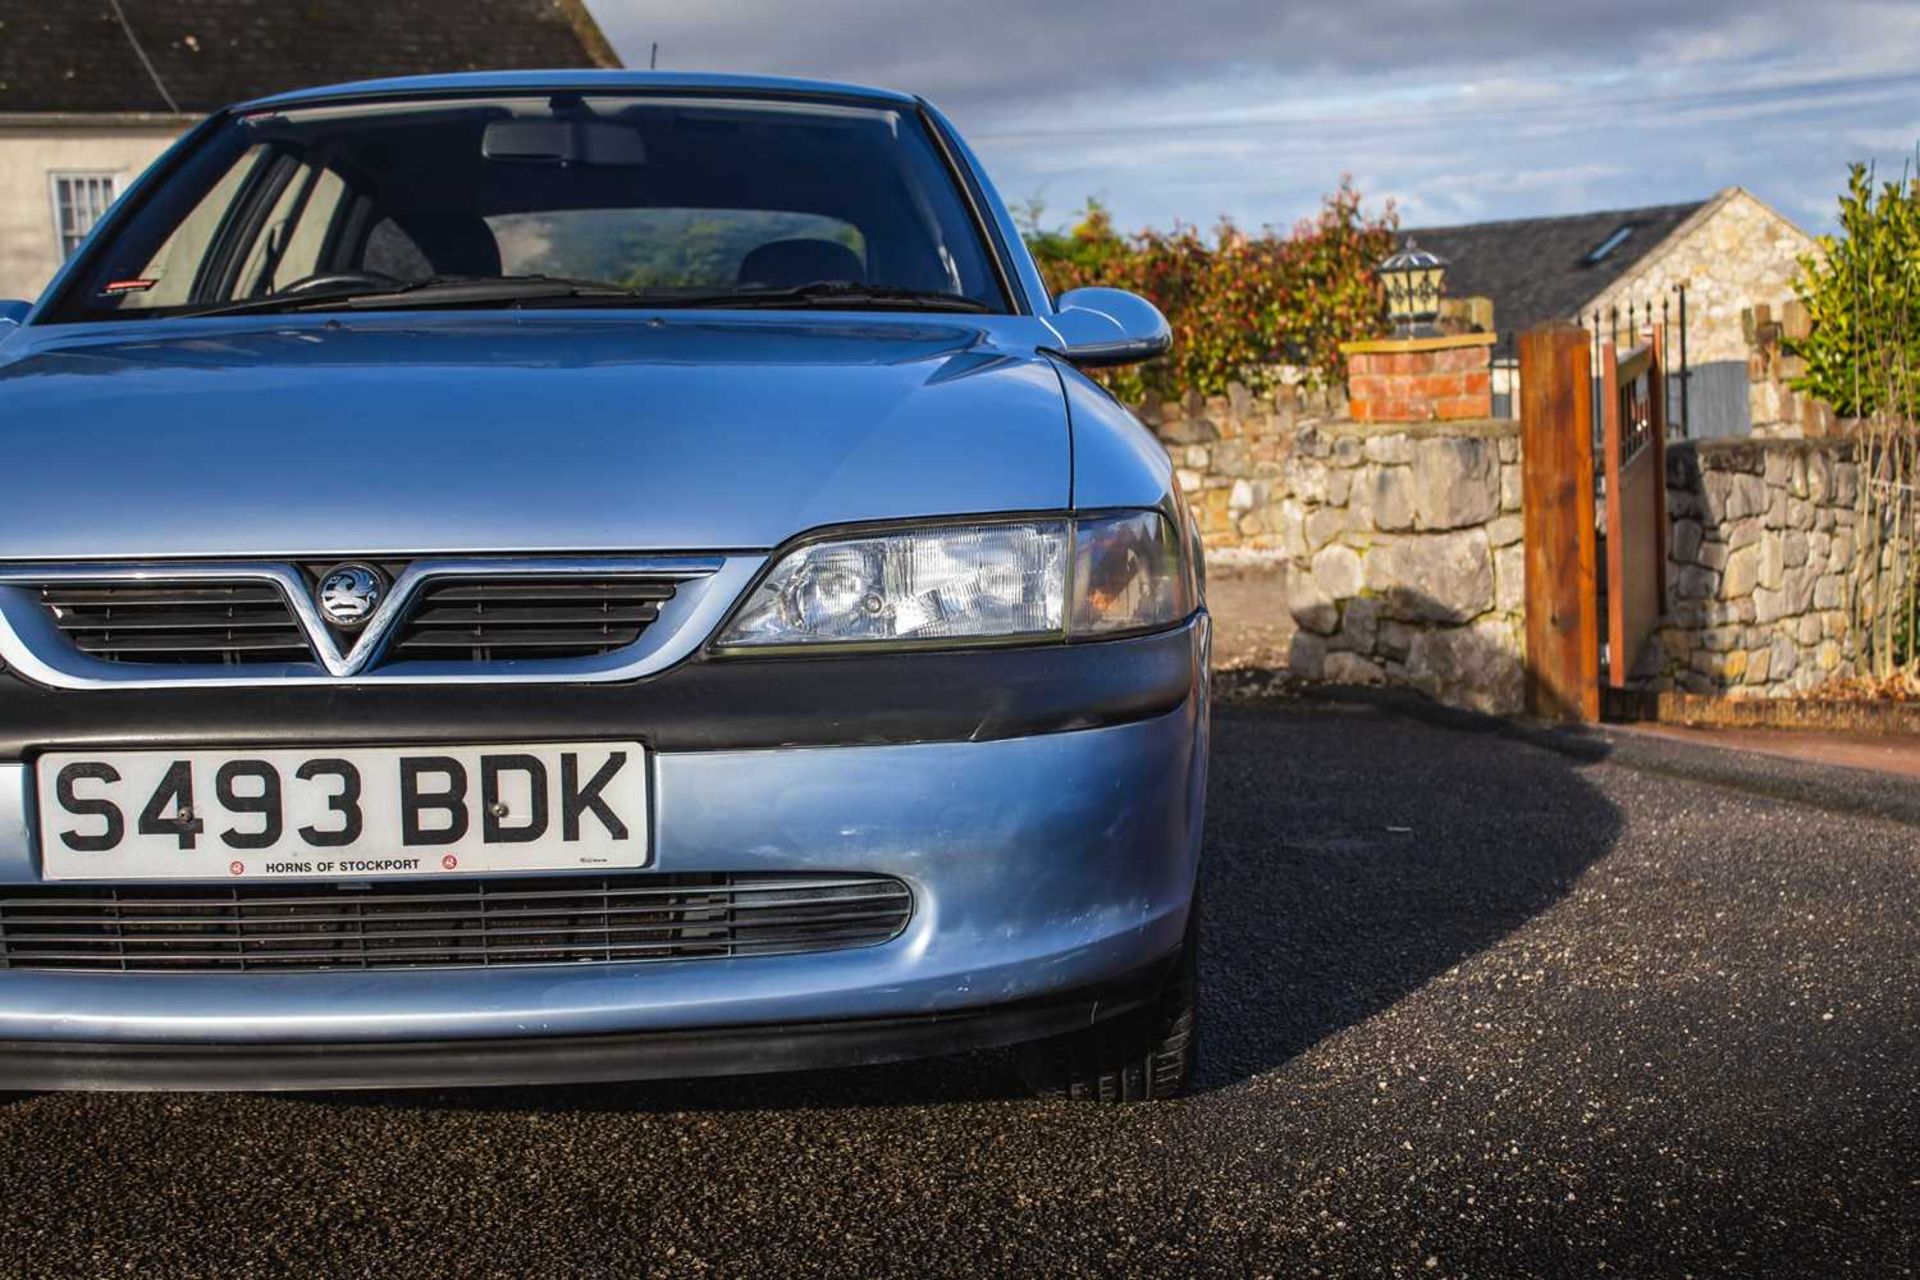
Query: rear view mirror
point(11, 314)
point(559, 141)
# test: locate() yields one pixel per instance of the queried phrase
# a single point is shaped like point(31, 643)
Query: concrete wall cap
point(1444, 342)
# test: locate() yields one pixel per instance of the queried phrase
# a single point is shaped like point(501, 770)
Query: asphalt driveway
point(1475, 1007)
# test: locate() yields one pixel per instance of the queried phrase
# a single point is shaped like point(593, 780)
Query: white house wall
point(29, 157)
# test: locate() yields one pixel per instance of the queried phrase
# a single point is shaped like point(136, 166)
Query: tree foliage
point(1862, 354)
point(1241, 305)
point(1862, 294)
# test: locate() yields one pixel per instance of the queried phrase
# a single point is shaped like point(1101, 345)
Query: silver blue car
point(578, 576)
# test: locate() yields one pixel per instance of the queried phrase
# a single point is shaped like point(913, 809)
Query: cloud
point(1253, 108)
point(990, 49)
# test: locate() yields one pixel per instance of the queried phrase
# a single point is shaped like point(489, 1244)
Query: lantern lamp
point(1414, 281)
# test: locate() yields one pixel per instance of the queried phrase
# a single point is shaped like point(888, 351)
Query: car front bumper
point(1050, 871)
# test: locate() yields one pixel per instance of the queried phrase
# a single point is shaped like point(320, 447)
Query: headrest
point(788, 264)
point(457, 244)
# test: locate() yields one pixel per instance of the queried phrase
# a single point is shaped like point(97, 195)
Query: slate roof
point(71, 56)
point(1538, 269)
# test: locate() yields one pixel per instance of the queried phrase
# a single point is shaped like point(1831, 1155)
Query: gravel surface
point(1251, 625)
point(1474, 1008)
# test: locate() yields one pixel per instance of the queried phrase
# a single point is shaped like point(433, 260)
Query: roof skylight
point(1613, 241)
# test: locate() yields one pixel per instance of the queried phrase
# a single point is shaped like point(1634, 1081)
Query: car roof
point(583, 79)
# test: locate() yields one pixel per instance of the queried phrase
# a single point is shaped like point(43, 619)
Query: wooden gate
point(1633, 476)
point(1576, 614)
point(1556, 451)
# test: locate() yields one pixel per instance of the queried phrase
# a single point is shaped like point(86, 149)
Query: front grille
point(492, 620)
point(178, 622)
point(548, 920)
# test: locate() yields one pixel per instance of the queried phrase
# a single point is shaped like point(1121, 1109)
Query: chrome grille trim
point(705, 587)
point(548, 920)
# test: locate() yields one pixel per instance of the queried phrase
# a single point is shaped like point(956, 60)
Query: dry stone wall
point(1760, 552)
point(1397, 548)
point(1398, 545)
point(1408, 567)
point(1232, 454)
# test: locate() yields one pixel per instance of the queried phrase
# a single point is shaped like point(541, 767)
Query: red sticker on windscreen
point(117, 287)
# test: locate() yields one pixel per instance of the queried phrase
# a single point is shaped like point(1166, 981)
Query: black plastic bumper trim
point(702, 705)
point(30, 1065)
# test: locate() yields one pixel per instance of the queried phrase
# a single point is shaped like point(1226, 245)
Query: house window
point(1607, 246)
point(79, 201)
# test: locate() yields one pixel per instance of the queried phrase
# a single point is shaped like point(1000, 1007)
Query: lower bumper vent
point(548, 920)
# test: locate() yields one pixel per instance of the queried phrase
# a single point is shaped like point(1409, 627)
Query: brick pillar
point(1420, 379)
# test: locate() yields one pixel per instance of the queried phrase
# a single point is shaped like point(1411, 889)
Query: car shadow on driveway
point(1353, 853)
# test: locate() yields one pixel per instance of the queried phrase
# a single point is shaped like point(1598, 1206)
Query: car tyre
point(1138, 1057)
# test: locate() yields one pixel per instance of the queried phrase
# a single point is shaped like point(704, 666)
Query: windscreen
point(658, 198)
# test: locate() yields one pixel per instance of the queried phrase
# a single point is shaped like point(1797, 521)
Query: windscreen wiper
point(831, 294)
point(481, 291)
point(477, 291)
point(514, 289)
point(440, 291)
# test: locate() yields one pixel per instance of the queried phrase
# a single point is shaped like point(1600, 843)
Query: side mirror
point(11, 314)
point(1104, 327)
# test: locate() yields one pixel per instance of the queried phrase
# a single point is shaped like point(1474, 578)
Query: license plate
point(350, 814)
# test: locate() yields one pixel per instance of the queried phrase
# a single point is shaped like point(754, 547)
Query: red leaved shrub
point(1242, 306)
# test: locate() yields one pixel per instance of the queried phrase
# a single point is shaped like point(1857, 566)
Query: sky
point(1456, 110)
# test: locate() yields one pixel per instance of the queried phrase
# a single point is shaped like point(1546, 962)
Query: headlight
point(1127, 574)
point(948, 584)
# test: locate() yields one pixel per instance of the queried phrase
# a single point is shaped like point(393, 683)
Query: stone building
point(92, 91)
point(1731, 251)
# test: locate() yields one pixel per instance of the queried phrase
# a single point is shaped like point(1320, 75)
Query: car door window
point(308, 232)
point(288, 244)
point(167, 280)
